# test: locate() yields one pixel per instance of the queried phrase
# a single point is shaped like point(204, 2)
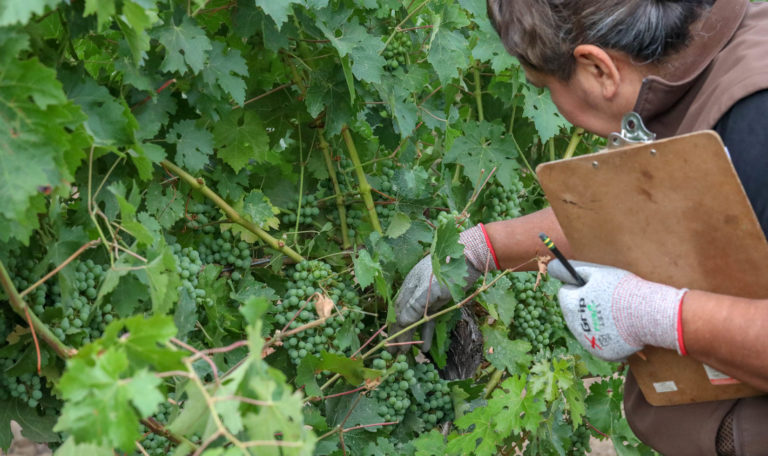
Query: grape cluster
point(397, 51)
point(418, 390)
point(202, 216)
point(81, 321)
point(189, 265)
point(309, 281)
point(580, 441)
point(384, 207)
point(392, 394)
point(309, 210)
point(453, 217)
point(226, 250)
point(502, 204)
point(433, 403)
point(354, 219)
point(25, 387)
point(154, 444)
point(537, 317)
point(21, 275)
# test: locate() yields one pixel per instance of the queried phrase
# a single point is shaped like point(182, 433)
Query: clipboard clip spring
point(633, 131)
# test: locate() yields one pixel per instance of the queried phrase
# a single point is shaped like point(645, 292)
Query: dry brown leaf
point(267, 351)
point(323, 305)
point(542, 261)
point(372, 383)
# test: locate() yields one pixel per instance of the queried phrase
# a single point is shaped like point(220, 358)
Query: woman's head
point(544, 33)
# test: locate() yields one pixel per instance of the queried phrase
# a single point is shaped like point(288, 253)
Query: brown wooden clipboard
point(671, 211)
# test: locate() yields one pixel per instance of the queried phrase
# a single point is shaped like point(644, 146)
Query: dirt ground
point(601, 448)
point(23, 447)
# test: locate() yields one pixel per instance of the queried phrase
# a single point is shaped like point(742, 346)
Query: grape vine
point(210, 207)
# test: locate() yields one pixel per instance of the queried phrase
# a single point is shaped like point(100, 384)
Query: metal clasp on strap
point(633, 131)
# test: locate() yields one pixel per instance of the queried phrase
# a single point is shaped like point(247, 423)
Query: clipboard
point(671, 211)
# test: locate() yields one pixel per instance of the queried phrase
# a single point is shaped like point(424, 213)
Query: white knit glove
point(616, 313)
point(420, 282)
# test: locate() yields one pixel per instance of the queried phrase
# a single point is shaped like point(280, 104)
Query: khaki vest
point(726, 60)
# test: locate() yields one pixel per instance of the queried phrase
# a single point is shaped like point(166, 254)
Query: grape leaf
point(328, 92)
point(538, 107)
point(448, 263)
point(227, 69)
point(483, 438)
point(35, 146)
point(430, 444)
point(163, 280)
point(110, 121)
point(128, 216)
point(34, 427)
point(185, 315)
point(277, 10)
point(70, 448)
point(448, 49)
point(351, 39)
point(551, 378)
point(134, 21)
point(229, 185)
point(366, 268)
point(351, 369)
point(194, 145)
point(482, 148)
point(408, 246)
point(104, 10)
point(405, 112)
point(411, 184)
point(398, 225)
point(488, 46)
point(11, 43)
point(186, 45)
point(305, 375)
point(240, 136)
point(503, 353)
point(101, 403)
point(19, 12)
point(260, 211)
point(164, 204)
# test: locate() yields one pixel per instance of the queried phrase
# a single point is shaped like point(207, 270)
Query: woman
point(683, 66)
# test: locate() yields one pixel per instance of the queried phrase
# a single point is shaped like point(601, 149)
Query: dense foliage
point(209, 205)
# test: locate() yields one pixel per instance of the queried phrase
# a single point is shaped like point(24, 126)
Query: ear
point(599, 67)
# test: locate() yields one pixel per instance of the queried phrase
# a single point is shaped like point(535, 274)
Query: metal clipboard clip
point(633, 131)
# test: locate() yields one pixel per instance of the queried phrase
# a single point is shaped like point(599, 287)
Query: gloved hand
point(412, 299)
point(617, 313)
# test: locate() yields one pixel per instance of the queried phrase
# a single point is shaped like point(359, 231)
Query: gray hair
point(542, 34)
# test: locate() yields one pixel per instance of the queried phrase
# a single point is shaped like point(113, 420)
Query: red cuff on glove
point(680, 343)
point(490, 246)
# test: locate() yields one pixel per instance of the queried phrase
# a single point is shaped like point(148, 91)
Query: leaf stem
point(363, 186)
point(493, 382)
point(574, 142)
point(478, 92)
point(199, 184)
point(337, 191)
point(551, 145)
point(58, 268)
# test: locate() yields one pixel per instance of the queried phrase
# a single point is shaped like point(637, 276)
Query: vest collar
point(709, 35)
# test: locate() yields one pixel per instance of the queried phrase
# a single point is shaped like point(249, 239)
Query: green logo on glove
point(597, 318)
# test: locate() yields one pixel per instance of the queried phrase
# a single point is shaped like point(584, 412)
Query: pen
point(559, 255)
